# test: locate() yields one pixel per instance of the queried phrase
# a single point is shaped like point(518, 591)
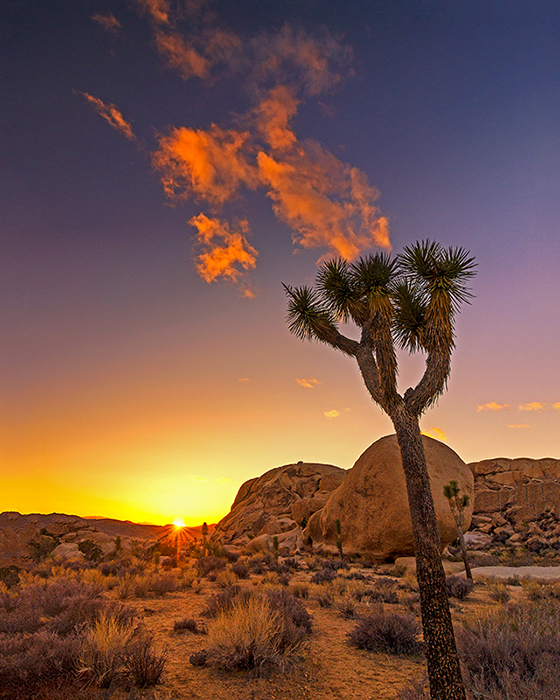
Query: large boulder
point(278, 502)
point(372, 503)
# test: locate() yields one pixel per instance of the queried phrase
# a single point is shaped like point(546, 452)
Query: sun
point(179, 522)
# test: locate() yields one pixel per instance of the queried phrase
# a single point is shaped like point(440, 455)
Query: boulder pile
point(278, 503)
point(540, 534)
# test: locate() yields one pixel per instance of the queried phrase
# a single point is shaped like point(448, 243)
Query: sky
point(166, 165)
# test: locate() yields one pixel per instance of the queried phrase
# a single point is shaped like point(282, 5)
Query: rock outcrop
point(516, 506)
point(372, 503)
point(278, 503)
point(532, 485)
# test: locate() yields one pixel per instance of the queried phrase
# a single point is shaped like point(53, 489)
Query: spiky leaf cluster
point(416, 295)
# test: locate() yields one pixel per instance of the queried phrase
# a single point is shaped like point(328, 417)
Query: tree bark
point(444, 671)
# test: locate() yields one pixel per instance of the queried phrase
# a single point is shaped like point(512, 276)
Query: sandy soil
point(330, 669)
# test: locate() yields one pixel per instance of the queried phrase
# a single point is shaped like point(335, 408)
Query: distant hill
point(16, 530)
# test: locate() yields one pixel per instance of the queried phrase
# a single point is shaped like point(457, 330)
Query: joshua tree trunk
point(464, 554)
point(441, 652)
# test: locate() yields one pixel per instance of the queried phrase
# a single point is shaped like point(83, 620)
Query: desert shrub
point(458, 587)
point(291, 609)
point(98, 581)
point(357, 590)
point(324, 576)
point(477, 559)
point(357, 576)
point(256, 632)
point(284, 579)
point(291, 563)
point(210, 564)
point(411, 601)
point(188, 624)
point(9, 575)
point(222, 601)
point(270, 577)
point(299, 590)
point(325, 597)
point(313, 562)
point(384, 591)
point(103, 652)
point(497, 590)
point(30, 660)
point(91, 550)
point(347, 609)
point(513, 653)
point(392, 633)
point(541, 590)
point(226, 578)
point(160, 584)
point(143, 665)
point(240, 570)
point(335, 564)
point(84, 611)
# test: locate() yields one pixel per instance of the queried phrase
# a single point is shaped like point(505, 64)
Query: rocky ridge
point(23, 537)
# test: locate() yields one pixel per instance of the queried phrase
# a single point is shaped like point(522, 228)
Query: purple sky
point(133, 387)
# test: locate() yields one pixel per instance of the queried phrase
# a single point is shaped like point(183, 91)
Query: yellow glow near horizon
point(179, 522)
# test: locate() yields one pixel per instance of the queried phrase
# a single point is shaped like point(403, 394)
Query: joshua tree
point(411, 302)
point(458, 503)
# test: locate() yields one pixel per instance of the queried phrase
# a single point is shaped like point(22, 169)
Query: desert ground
point(324, 666)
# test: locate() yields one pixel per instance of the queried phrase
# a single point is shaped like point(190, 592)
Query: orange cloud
point(243, 379)
point(222, 260)
point(556, 406)
point(332, 414)
point(247, 292)
point(492, 406)
point(435, 433)
point(111, 114)
point(308, 383)
point(208, 164)
point(108, 22)
point(158, 10)
point(182, 55)
point(533, 406)
point(326, 203)
point(519, 426)
point(273, 116)
point(315, 64)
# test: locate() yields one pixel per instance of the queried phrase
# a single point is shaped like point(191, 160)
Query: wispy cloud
point(158, 11)
point(556, 406)
point(108, 22)
point(436, 433)
point(332, 414)
point(519, 426)
point(533, 406)
point(225, 250)
point(182, 55)
point(325, 202)
point(309, 383)
point(492, 406)
point(111, 114)
point(314, 63)
point(243, 379)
